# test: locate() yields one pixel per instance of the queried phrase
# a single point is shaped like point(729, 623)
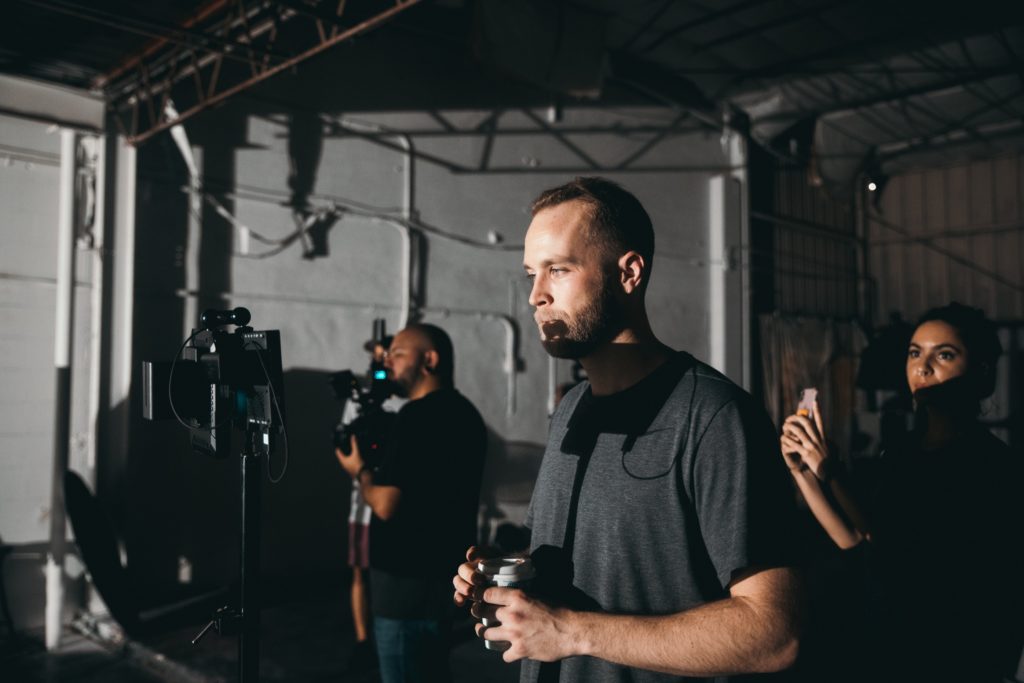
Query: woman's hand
point(794, 461)
point(803, 444)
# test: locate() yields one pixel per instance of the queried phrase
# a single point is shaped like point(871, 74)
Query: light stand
point(227, 380)
point(245, 621)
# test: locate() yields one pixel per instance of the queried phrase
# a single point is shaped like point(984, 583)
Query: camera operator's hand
point(383, 499)
point(353, 463)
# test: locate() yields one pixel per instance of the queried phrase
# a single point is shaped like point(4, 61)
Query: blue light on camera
point(380, 374)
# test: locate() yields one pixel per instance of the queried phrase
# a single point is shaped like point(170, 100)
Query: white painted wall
point(29, 165)
point(324, 306)
point(171, 257)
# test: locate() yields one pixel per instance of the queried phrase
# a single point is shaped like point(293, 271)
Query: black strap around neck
point(583, 448)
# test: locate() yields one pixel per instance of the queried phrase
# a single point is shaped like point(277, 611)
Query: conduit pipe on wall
point(408, 209)
point(121, 251)
point(63, 342)
point(95, 147)
point(510, 366)
point(408, 198)
point(408, 269)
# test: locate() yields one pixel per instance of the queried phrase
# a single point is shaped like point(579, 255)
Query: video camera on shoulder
point(220, 381)
point(372, 423)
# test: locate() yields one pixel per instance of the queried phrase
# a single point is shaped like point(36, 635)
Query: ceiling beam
point(755, 29)
point(700, 21)
point(1006, 130)
point(881, 96)
point(246, 32)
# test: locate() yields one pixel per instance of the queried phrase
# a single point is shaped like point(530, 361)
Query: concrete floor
point(25, 660)
point(306, 636)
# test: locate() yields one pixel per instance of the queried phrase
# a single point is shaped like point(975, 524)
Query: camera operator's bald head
point(421, 359)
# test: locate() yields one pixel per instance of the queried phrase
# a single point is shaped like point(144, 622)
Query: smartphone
point(806, 405)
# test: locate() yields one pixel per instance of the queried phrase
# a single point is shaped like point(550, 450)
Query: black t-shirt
point(946, 561)
point(435, 456)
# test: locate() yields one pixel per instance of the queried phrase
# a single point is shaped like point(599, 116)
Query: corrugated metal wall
point(814, 249)
point(956, 234)
point(953, 233)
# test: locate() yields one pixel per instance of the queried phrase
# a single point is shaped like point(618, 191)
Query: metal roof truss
point(226, 47)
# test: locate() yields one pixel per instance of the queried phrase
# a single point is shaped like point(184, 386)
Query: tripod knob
point(224, 622)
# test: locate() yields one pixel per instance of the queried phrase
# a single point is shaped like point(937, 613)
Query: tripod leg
point(249, 639)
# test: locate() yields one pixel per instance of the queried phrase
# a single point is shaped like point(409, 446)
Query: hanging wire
point(280, 416)
point(335, 210)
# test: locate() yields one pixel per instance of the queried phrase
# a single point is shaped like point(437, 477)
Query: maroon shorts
point(358, 545)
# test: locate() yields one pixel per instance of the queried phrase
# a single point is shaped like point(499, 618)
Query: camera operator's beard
point(578, 335)
point(401, 385)
point(399, 389)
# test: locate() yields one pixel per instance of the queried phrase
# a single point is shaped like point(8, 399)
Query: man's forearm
point(383, 500)
point(731, 636)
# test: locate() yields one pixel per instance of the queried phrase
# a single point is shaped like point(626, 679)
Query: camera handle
point(245, 622)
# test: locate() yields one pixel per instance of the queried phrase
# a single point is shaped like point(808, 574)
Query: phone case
point(806, 405)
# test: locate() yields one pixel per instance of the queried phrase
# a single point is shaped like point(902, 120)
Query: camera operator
point(371, 405)
point(424, 493)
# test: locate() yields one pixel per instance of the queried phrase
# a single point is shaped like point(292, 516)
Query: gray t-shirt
point(684, 487)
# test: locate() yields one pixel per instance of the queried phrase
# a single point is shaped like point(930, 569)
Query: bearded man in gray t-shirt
point(662, 515)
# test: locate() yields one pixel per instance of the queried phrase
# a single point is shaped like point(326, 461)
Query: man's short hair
point(619, 221)
point(438, 340)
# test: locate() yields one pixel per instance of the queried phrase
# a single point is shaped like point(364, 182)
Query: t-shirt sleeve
point(744, 503)
point(396, 461)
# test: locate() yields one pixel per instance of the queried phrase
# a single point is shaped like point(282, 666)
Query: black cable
point(170, 380)
point(630, 439)
point(170, 396)
point(280, 416)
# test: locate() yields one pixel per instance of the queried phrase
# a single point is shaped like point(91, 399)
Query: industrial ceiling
point(847, 86)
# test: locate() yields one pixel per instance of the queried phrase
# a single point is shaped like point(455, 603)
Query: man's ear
point(430, 360)
point(632, 271)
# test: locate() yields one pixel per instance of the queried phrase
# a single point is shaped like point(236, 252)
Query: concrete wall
point(462, 174)
point(465, 185)
point(29, 167)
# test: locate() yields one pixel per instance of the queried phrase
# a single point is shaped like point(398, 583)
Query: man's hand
point(469, 583)
point(351, 463)
point(534, 629)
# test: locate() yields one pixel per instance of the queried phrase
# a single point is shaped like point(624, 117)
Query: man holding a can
point(425, 495)
point(661, 520)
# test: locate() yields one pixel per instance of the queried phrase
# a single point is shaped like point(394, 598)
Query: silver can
point(505, 572)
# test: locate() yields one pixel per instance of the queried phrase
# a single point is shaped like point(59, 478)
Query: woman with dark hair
point(942, 531)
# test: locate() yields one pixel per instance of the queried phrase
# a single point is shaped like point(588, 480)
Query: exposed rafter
point(208, 48)
point(878, 96)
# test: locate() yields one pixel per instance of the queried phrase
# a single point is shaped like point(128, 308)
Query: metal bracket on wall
point(226, 47)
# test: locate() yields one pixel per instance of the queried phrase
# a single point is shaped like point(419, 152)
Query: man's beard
point(403, 384)
point(593, 325)
point(399, 389)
